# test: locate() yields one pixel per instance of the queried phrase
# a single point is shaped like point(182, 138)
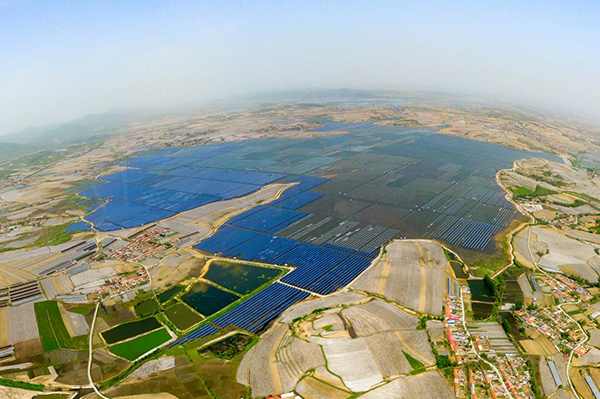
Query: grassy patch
point(23, 385)
point(414, 363)
point(53, 332)
point(522, 192)
point(182, 317)
point(129, 330)
point(135, 348)
point(53, 235)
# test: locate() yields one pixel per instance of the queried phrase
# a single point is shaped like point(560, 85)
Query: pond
point(207, 299)
point(480, 291)
point(458, 269)
point(481, 310)
point(241, 278)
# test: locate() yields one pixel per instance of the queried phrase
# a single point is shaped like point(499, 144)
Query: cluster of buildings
point(123, 282)
point(566, 289)
point(457, 335)
point(142, 246)
point(556, 325)
point(477, 382)
point(471, 381)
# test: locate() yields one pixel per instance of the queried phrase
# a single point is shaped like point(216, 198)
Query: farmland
point(136, 347)
point(53, 332)
point(146, 308)
point(130, 329)
point(361, 340)
point(326, 209)
point(181, 316)
point(403, 264)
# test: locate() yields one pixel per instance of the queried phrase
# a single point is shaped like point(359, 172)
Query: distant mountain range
point(102, 124)
point(51, 137)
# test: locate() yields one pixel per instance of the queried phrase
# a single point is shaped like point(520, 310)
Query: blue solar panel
point(129, 214)
point(225, 238)
point(341, 275)
point(296, 199)
point(101, 224)
point(268, 219)
point(78, 226)
point(306, 182)
point(263, 247)
point(200, 332)
point(263, 307)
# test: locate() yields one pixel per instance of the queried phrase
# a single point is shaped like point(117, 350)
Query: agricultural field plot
point(207, 299)
point(356, 342)
point(241, 278)
point(22, 323)
point(413, 387)
point(182, 317)
point(53, 332)
point(413, 274)
point(130, 329)
point(146, 308)
point(559, 252)
point(136, 347)
point(182, 381)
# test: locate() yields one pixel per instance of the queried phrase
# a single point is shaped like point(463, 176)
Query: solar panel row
point(263, 307)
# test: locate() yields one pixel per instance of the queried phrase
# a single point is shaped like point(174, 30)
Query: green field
point(135, 348)
point(146, 308)
point(129, 330)
point(182, 317)
point(22, 385)
point(241, 278)
point(53, 332)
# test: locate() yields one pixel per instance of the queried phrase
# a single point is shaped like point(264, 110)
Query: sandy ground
point(161, 395)
point(4, 326)
point(421, 386)
point(154, 366)
point(14, 393)
point(590, 358)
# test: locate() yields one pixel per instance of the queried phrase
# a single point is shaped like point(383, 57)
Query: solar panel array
point(263, 307)
point(137, 197)
point(380, 183)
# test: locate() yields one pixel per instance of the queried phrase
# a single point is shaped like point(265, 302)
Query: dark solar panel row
point(225, 238)
point(296, 199)
point(341, 275)
point(268, 219)
point(263, 307)
point(263, 247)
point(200, 332)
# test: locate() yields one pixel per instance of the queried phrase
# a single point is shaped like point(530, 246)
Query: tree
point(506, 325)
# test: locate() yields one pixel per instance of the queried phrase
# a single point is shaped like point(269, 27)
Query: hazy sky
point(60, 60)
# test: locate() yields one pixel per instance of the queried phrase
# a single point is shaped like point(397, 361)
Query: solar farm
point(351, 194)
